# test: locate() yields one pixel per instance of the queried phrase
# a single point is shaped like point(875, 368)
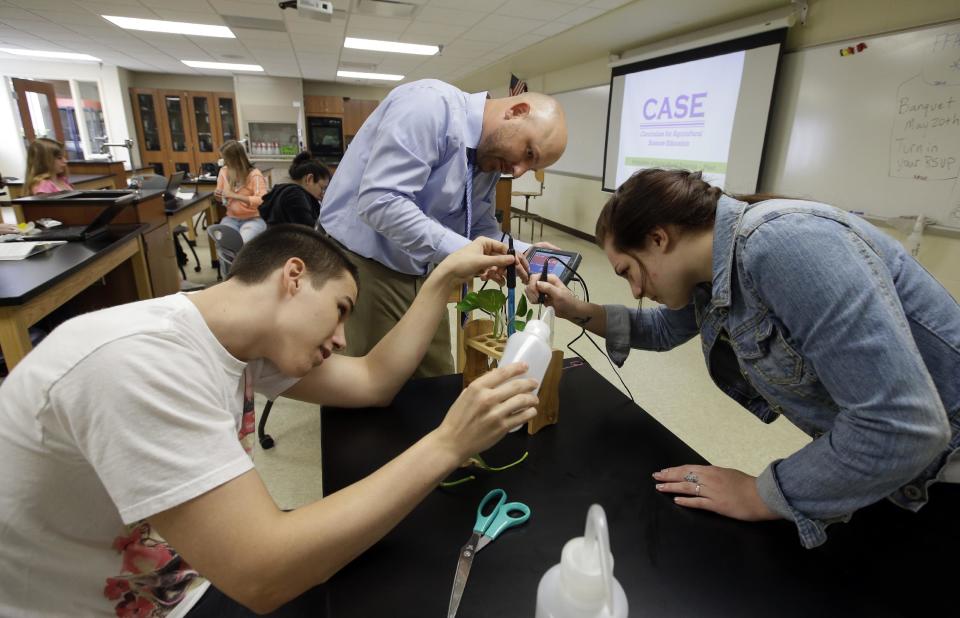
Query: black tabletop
point(21, 280)
point(670, 561)
point(177, 204)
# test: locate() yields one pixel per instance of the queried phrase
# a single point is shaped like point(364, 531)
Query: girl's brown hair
point(236, 161)
point(658, 197)
point(42, 157)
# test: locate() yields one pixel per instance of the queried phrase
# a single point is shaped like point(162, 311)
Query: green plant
point(492, 302)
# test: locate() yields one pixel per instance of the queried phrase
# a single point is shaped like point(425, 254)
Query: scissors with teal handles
point(487, 528)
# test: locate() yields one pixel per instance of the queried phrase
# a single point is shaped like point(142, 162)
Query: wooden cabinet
point(314, 105)
point(355, 112)
point(182, 130)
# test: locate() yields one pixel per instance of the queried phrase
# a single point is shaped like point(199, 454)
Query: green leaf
point(491, 301)
point(522, 305)
point(519, 325)
point(470, 302)
point(529, 314)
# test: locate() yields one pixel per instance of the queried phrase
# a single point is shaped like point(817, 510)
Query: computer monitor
point(173, 185)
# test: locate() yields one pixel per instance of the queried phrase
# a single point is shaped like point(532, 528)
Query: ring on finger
point(698, 490)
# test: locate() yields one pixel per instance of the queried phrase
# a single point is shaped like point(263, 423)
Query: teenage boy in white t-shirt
point(119, 437)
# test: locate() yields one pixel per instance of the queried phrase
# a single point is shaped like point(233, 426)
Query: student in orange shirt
point(241, 188)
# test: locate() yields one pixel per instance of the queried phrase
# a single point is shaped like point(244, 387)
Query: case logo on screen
point(682, 106)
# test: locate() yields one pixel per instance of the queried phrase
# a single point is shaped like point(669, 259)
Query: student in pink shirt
point(46, 168)
point(241, 188)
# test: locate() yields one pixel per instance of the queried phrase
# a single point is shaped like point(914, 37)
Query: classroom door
point(38, 110)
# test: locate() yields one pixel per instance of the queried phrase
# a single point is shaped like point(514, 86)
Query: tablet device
point(561, 263)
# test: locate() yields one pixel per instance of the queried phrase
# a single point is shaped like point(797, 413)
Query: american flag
point(517, 85)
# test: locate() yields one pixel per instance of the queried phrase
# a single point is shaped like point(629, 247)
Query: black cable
point(583, 328)
point(502, 236)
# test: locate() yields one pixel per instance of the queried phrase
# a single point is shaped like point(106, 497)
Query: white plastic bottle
point(531, 346)
point(582, 585)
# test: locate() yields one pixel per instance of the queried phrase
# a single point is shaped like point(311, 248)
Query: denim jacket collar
point(729, 214)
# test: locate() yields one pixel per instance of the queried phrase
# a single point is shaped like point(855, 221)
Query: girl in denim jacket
point(803, 310)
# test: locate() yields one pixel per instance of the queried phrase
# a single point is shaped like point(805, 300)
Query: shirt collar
point(729, 214)
point(475, 105)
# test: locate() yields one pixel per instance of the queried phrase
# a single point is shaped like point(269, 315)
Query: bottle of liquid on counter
point(582, 585)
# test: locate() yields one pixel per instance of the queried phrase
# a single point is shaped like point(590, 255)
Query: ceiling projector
point(321, 10)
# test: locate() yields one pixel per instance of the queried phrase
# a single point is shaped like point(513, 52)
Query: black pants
point(215, 604)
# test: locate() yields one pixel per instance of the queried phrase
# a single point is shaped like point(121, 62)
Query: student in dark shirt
point(297, 201)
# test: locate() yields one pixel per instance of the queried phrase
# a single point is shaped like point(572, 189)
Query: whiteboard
point(877, 131)
point(586, 112)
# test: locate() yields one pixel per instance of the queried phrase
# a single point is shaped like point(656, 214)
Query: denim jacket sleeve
point(838, 304)
point(658, 328)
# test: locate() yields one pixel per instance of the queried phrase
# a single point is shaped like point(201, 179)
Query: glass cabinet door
point(202, 120)
point(228, 123)
point(176, 119)
point(181, 131)
point(148, 122)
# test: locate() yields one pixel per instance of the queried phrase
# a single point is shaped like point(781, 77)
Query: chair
point(228, 243)
point(180, 234)
point(526, 214)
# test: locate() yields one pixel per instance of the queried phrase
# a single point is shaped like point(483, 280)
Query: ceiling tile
point(376, 35)
point(509, 24)
point(315, 28)
point(138, 10)
point(439, 15)
point(487, 5)
point(578, 16)
point(607, 4)
point(466, 49)
point(264, 10)
point(382, 24)
point(552, 28)
point(359, 55)
point(432, 34)
point(7, 12)
point(534, 9)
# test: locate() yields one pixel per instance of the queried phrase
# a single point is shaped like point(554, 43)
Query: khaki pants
point(385, 296)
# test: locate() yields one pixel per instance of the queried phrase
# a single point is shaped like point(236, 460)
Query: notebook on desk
point(81, 232)
point(22, 250)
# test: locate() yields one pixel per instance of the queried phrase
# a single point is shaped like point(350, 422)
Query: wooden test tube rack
point(481, 346)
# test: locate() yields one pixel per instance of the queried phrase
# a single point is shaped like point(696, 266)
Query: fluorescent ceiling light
point(359, 75)
point(390, 46)
point(224, 66)
point(36, 53)
point(170, 27)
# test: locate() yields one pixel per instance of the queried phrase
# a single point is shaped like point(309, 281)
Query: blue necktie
point(468, 197)
point(468, 204)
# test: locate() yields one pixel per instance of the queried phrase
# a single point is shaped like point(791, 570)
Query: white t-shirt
point(116, 416)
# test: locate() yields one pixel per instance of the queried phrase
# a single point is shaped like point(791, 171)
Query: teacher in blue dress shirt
point(418, 182)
